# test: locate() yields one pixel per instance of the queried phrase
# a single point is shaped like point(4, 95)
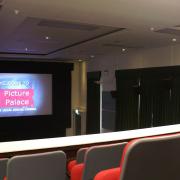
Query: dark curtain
point(127, 84)
point(156, 99)
point(93, 103)
point(176, 98)
point(147, 97)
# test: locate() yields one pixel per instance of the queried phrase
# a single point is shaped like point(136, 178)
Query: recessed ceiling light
point(123, 49)
point(47, 37)
point(16, 11)
point(152, 29)
point(80, 60)
point(174, 39)
point(92, 56)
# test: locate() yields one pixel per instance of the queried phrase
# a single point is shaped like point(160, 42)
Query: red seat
point(138, 161)
point(98, 158)
point(77, 172)
point(70, 165)
point(110, 174)
point(114, 173)
point(79, 159)
point(47, 165)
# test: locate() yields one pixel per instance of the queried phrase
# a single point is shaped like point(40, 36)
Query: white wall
point(131, 59)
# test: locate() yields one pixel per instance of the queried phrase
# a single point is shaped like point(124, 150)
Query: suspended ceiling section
point(82, 29)
point(44, 37)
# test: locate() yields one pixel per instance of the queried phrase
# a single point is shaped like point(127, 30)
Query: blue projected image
point(25, 94)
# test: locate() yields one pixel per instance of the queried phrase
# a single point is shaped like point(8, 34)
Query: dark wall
point(42, 126)
point(108, 111)
point(93, 103)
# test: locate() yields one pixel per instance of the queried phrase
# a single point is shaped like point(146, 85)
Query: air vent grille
point(169, 31)
point(67, 25)
point(113, 45)
point(121, 46)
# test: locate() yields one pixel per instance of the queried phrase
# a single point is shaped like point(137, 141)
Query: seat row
point(42, 166)
point(140, 159)
point(150, 158)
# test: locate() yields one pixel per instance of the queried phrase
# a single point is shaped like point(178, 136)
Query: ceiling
point(64, 30)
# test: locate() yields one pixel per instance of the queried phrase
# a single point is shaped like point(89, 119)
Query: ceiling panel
point(82, 28)
point(42, 36)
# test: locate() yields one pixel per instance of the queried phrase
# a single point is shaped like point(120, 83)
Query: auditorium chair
point(43, 166)
point(98, 158)
point(154, 158)
point(79, 159)
point(3, 167)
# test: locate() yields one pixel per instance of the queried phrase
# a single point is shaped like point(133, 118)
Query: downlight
point(174, 39)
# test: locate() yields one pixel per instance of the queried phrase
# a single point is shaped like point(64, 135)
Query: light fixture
point(77, 111)
point(92, 56)
point(152, 29)
point(26, 49)
point(80, 60)
point(123, 49)
point(16, 11)
point(174, 39)
point(47, 37)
